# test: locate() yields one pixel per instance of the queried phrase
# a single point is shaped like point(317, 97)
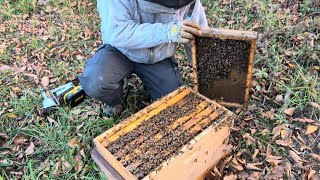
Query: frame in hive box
point(222, 65)
point(181, 136)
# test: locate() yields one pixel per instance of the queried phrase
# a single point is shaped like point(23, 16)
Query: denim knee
point(102, 90)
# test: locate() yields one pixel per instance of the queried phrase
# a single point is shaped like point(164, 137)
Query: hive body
point(180, 136)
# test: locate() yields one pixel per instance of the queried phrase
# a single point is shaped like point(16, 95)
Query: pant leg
point(103, 75)
point(160, 78)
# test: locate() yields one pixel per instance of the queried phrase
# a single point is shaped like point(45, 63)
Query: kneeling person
point(140, 36)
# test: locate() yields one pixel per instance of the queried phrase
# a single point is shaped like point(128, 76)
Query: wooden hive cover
point(223, 63)
point(182, 135)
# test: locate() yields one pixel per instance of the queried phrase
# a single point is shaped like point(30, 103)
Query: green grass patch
point(67, 33)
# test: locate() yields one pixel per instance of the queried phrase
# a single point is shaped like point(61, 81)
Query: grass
point(56, 38)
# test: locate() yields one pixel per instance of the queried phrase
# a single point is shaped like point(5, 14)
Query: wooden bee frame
point(194, 160)
point(221, 89)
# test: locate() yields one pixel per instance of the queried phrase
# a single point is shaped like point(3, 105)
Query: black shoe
point(112, 111)
point(116, 111)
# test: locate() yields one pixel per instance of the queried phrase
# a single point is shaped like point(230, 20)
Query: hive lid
point(223, 64)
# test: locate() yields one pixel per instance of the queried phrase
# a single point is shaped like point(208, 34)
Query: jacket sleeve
point(119, 29)
point(199, 17)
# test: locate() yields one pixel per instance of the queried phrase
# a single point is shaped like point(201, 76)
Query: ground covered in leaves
point(45, 43)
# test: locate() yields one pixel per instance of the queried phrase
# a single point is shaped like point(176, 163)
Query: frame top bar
point(229, 34)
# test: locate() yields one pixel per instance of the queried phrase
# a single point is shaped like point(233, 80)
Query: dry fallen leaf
point(256, 152)
point(236, 165)
point(315, 105)
point(79, 126)
point(11, 115)
point(216, 172)
point(25, 16)
point(305, 120)
point(299, 137)
point(253, 166)
point(4, 162)
point(269, 114)
point(52, 122)
point(269, 156)
point(287, 97)
point(74, 3)
point(230, 177)
point(79, 57)
point(42, 2)
point(254, 83)
point(5, 68)
point(285, 133)
point(255, 175)
point(288, 169)
point(3, 136)
point(316, 156)
point(35, 77)
point(296, 158)
point(83, 154)
point(44, 165)
point(289, 111)
point(20, 141)
point(276, 173)
point(312, 175)
point(44, 38)
point(279, 130)
point(57, 169)
point(250, 139)
point(45, 81)
point(49, 45)
point(79, 163)
point(274, 160)
point(16, 90)
point(224, 163)
point(65, 165)
point(311, 129)
point(316, 68)
point(279, 98)
point(30, 149)
point(74, 142)
point(292, 65)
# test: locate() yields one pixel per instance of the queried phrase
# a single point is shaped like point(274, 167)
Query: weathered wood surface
point(194, 65)
point(250, 71)
point(203, 153)
point(113, 161)
point(105, 167)
point(229, 34)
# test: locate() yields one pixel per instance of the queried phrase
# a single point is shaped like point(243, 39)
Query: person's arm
point(120, 30)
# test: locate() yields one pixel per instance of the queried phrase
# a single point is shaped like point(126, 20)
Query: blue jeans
point(104, 72)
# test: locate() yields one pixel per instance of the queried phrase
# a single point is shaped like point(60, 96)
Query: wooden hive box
point(181, 136)
point(223, 64)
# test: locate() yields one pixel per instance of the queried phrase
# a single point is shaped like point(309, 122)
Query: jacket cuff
point(173, 32)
